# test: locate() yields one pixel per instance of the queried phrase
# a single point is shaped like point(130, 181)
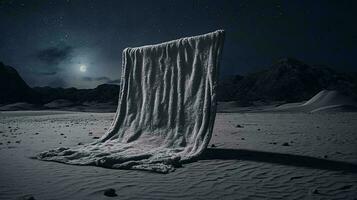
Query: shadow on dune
point(278, 158)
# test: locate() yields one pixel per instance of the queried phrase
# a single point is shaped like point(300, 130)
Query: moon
point(83, 68)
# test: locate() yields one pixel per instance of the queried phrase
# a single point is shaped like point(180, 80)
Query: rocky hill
point(13, 88)
point(286, 80)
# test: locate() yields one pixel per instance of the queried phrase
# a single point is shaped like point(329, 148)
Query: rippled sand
point(268, 156)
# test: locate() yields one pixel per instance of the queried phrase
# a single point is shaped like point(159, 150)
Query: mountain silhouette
point(288, 80)
point(13, 88)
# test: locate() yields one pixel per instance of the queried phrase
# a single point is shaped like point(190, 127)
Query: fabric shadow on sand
point(166, 108)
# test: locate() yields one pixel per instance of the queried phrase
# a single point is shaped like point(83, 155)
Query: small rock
point(315, 191)
point(325, 156)
point(239, 126)
point(18, 141)
point(27, 197)
point(346, 187)
point(285, 144)
point(242, 138)
point(80, 143)
point(296, 177)
point(95, 137)
point(258, 129)
point(110, 192)
point(61, 134)
point(90, 133)
point(213, 145)
point(37, 133)
point(8, 142)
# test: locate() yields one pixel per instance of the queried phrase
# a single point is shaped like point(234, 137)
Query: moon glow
point(83, 68)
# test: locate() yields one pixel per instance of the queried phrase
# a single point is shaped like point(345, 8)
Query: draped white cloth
point(166, 109)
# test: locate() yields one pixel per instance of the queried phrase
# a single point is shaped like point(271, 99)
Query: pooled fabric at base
point(166, 108)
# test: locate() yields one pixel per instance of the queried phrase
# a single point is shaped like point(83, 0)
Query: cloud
point(47, 73)
point(54, 55)
point(50, 59)
point(101, 79)
point(116, 81)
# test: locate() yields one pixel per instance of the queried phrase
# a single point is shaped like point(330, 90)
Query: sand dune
point(324, 101)
point(59, 103)
point(20, 106)
point(255, 156)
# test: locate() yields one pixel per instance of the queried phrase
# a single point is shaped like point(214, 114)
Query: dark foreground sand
point(267, 156)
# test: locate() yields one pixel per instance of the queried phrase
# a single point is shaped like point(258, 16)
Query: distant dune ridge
point(59, 103)
point(324, 101)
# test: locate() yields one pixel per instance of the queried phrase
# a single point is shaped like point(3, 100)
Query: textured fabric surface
point(166, 109)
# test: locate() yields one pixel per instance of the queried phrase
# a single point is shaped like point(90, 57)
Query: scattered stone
point(18, 141)
point(27, 197)
point(325, 156)
point(8, 142)
point(315, 191)
point(37, 133)
point(345, 187)
point(258, 129)
point(285, 144)
point(213, 145)
point(95, 137)
point(110, 192)
point(90, 133)
point(296, 177)
point(239, 126)
point(242, 138)
point(61, 134)
point(0, 143)
point(80, 143)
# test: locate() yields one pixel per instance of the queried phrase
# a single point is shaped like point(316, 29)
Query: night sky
point(78, 43)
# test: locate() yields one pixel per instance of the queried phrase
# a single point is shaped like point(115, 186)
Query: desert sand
point(251, 156)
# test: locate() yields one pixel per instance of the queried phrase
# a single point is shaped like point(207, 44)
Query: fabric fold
point(166, 108)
